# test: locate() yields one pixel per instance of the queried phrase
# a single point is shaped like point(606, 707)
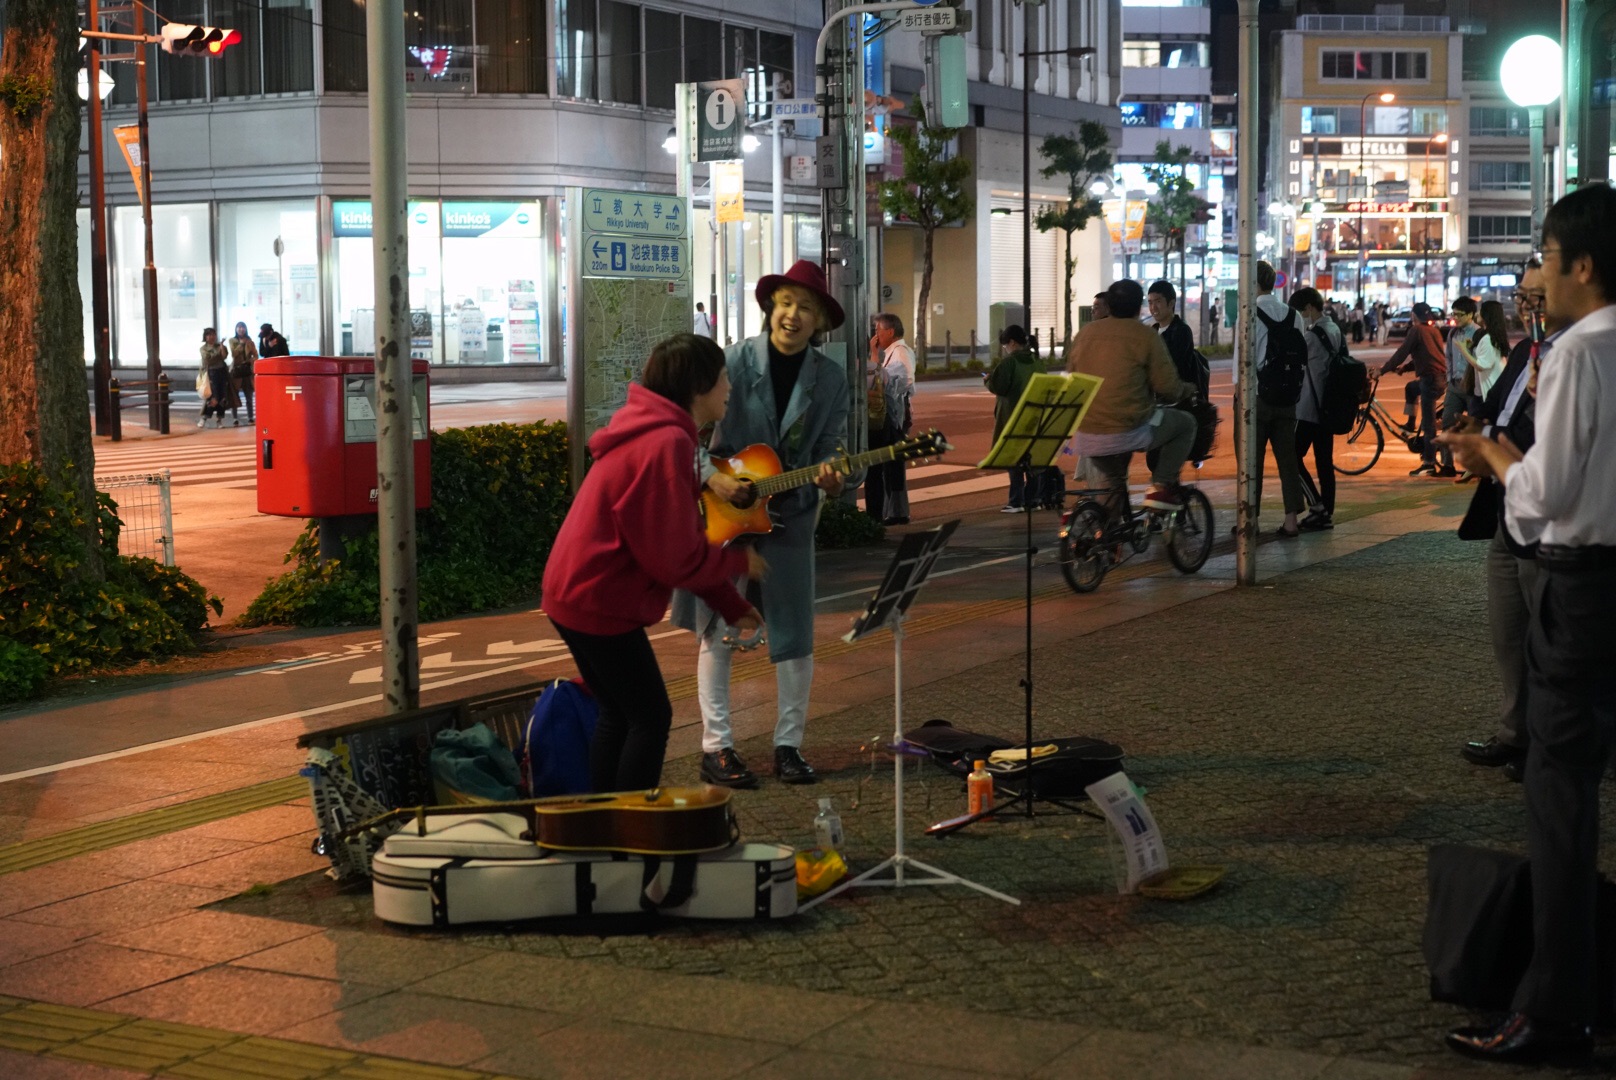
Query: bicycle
point(1364, 444)
point(1093, 540)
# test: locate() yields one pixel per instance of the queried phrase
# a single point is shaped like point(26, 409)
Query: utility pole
point(100, 305)
point(1245, 417)
point(395, 402)
point(148, 277)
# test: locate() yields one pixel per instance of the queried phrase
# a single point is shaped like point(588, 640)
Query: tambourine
point(746, 642)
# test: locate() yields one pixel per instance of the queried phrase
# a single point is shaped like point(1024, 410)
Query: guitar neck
point(774, 485)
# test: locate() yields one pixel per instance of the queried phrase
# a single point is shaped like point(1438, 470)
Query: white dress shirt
point(1564, 491)
point(901, 351)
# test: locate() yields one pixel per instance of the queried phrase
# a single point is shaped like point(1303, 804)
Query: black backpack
point(1279, 380)
point(1345, 390)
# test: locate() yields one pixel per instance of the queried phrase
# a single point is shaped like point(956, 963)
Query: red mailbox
point(317, 436)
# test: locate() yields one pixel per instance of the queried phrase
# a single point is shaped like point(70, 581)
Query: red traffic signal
point(186, 40)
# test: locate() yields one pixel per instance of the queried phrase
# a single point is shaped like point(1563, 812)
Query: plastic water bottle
point(979, 789)
point(827, 826)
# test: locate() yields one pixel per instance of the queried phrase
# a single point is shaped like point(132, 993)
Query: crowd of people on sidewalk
point(224, 378)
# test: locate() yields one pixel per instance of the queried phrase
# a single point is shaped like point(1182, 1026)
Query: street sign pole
point(395, 450)
point(1245, 358)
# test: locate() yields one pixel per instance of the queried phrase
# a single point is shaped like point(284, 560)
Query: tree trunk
point(923, 303)
point(1072, 267)
point(44, 395)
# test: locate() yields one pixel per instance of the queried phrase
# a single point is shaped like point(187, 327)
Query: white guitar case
point(479, 870)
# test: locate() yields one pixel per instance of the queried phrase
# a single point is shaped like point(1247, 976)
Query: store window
point(1380, 65)
point(704, 50)
point(184, 260)
point(512, 49)
point(276, 54)
point(342, 38)
point(83, 216)
point(258, 283)
point(474, 280)
point(438, 47)
point(182, 77)
point(664, 53)
point(598, 51)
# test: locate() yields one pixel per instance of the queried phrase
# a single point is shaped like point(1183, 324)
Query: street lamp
point(1531, 77)
point(1026, 163)
point(1439, 139)
point(1363, 135)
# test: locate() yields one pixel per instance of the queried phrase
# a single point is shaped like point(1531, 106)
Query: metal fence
point(146, 512)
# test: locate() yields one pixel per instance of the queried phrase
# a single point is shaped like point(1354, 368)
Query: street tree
point(44, 395)
point(1175, 206)
point(934, 191)
point(1081, 161)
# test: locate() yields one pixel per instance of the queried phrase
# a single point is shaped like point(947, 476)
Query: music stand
point(1047, 416)
point(910, 568)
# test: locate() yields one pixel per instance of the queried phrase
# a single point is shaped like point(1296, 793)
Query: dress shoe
point(726, 769)
point(898, 520)
point(1423, 470)
point(1490, 752)
point(791, 768)
point(1520, 1040)
point(1447, 472)
point(1515, 771)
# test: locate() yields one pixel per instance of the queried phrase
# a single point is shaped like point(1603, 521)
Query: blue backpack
point(555, 742)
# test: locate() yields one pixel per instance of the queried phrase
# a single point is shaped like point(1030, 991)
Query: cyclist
point(1126, 415)
point(1422, 349)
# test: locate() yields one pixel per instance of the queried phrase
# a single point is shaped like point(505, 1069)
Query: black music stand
point(910, 568)
point(1044, 419)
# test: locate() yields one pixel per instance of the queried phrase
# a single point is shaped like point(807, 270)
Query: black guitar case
point(1077, 762)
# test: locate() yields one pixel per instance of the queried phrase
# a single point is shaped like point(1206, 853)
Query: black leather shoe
point(1519, 1039)
point(1490, 752)
point(1514, 771)
point(791, 768)
point(726, 769)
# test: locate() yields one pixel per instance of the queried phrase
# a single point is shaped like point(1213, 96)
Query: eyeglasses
point(1546, 252)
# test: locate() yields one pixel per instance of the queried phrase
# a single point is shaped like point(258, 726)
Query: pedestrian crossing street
point(224, 459)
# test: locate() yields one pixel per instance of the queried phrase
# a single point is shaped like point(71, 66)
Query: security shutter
point(1047, 268)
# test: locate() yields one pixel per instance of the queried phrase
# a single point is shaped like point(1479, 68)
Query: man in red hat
point(786, 394)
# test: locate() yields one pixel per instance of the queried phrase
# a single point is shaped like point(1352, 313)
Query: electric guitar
point(725, 522)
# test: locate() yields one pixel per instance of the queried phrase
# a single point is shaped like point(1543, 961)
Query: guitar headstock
point(930, 444)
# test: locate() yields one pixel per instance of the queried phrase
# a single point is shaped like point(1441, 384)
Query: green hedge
point(843, 525)
point(70, 621)
point(499, 493)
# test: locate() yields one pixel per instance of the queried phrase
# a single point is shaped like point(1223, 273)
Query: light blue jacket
point(814, 429)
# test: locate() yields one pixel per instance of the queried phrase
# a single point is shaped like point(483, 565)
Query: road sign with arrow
point(634, 234)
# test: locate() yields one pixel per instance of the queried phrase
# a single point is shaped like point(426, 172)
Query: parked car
point(1397, 322)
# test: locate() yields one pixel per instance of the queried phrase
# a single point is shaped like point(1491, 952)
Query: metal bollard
point(115, 410)
point(162, 403)
point(973, 345)
point(948, 350)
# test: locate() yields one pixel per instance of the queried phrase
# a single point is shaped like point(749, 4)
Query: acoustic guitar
point(660, 821)
point(725, 522)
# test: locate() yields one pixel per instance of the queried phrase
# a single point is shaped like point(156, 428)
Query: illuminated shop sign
point(1370, 147)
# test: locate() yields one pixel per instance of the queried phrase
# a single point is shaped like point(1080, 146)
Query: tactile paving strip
point(148, 823)
point(163, 1049)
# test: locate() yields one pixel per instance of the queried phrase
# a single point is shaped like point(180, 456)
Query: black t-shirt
point(783, 372)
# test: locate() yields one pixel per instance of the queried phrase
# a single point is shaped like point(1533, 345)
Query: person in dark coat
point(220, 390)
point(243, 354)
point(271, 343)
point(1007, 381)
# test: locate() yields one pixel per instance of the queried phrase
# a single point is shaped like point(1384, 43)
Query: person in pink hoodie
point(632, 536)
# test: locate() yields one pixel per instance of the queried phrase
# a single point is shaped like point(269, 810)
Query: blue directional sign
point(635, 212)
point(613, 255)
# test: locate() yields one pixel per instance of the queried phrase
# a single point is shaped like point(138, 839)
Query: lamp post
point(1531, 77)
point(1026, 154)
point(1440, 138)
point(1363, 135)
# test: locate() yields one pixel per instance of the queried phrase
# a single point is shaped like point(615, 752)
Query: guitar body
point(725, 522)
point(662, 821)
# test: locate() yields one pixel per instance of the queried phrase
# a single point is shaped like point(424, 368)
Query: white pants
point(792, 681)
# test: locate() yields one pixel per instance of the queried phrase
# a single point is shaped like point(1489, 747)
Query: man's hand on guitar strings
point(829, 480)
point(733, 490)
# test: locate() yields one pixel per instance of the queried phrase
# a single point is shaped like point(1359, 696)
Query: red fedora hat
point(806, 275)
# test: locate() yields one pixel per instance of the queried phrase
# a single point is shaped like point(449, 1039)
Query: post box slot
point(269, 453)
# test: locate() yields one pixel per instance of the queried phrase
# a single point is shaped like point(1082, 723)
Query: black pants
point(1311, 434)
point(1571, 714)
point(882, 480)
point(1426, 390)
point(631, 737)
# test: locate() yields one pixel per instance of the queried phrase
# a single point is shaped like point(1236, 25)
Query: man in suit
point(1511, 573)
point(1561, 495)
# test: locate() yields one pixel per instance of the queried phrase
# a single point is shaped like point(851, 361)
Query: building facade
point(1365, 156)
point(260, 163)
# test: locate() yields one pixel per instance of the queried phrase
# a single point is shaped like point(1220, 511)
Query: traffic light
point(183, 39)
point(945, 93)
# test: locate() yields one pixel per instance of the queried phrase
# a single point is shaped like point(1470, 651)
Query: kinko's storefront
point(477, 281)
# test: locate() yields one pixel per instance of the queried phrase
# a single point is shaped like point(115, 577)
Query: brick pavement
point(1307, 741)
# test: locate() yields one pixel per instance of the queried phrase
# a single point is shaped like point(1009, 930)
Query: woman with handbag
point(213, 379)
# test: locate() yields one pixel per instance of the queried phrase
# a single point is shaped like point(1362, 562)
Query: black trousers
point(631, 736)
point(882, 480)
point(1426, 390)
point(1571, 715)
point(1310, 434)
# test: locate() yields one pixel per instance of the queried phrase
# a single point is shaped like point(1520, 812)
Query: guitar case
point(1077, 762)
point(480, 870)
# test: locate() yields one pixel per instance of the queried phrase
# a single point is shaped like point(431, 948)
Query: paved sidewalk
point(1302, 733)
